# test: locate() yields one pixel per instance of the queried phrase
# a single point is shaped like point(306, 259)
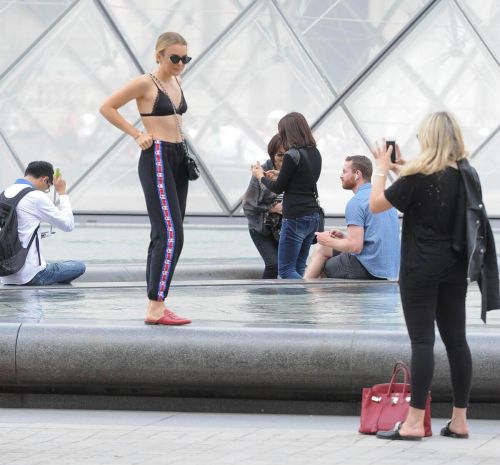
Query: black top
point(298, 181)
point(429, 204)
point(163, 105)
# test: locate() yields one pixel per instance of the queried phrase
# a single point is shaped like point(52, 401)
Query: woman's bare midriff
point(163, 127)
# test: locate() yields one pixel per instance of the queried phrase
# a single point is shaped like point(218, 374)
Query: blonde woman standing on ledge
point(162, 166)
point(446, 240)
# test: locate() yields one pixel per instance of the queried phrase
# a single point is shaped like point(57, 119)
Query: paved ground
point(67, 437)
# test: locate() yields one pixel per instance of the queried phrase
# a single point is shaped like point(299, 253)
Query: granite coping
point(133, 272)
point(259, 362)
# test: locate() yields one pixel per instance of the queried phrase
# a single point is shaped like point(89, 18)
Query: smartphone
point(393, 153)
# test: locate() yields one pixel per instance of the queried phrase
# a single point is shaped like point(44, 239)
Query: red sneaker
point(169, 318)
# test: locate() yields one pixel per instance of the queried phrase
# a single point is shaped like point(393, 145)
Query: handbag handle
point(399, 367)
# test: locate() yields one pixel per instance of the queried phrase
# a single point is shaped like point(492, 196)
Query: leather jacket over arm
point(481, 252)
point(257, 200)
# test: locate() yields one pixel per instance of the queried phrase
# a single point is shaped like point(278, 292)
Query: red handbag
point(383, 405)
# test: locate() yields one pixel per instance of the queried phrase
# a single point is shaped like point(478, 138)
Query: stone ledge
point(137, 272)
point(254, 363)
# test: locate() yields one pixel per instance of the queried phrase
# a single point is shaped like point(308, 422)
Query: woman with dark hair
point(260, 205)
point(163, 170)
point(297, 179)
point(446, 239)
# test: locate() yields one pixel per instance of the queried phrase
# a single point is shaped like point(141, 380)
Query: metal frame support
point(37, 41)
point(363, 75)
point(476, 32)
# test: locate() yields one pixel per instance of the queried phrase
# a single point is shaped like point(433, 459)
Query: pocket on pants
point(305, 225)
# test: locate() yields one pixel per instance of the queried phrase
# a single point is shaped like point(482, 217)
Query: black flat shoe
point(395, 436)
point(446, 431)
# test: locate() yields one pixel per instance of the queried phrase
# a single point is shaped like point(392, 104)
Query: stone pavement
point(85, 437)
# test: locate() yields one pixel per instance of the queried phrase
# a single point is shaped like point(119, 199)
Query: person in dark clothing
point(297, 179)
point(434, 264)
point(258, 203)
point(163, 170)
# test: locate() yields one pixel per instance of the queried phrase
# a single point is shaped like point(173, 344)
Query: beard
point(348, 185)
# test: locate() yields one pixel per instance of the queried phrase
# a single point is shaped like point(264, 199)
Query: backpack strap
point(17, 198)
point(13, 201)
point(35, 237)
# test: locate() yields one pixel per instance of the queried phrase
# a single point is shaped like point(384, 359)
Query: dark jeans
point(58, 273)
point(267, 246)
point(442, 301)
point(295, 241)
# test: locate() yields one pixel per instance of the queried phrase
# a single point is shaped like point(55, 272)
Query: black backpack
point(12, 253)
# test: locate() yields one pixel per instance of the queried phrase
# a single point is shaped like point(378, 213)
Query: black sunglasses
point(176, 58)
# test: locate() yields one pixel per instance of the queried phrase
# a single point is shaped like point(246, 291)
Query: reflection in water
point(328, 303)
point(37, 304)
point(28, 305)
point(349, 303)
point(294, 304)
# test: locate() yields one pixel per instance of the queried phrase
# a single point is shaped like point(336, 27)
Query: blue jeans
point(58, 273)
point(295, 241)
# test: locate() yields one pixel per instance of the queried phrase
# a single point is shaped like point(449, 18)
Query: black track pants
point(163, 175)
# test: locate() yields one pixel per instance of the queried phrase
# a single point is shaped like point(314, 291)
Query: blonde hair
point(169, 38)
point(440, 141)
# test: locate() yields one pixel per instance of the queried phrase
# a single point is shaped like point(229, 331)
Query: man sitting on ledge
point(371, 247)
point(33, 208)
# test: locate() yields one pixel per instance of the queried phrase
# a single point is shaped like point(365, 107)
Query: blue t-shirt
point(381, 247)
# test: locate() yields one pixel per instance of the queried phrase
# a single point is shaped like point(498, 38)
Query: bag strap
point(35, 237)
point(17, 198)
point(309, 171)
point(14, 201)
point(160, 86)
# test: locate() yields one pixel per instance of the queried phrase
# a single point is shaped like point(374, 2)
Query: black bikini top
point(163, 105)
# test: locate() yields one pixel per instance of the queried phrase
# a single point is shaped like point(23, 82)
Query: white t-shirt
point(33, 208)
